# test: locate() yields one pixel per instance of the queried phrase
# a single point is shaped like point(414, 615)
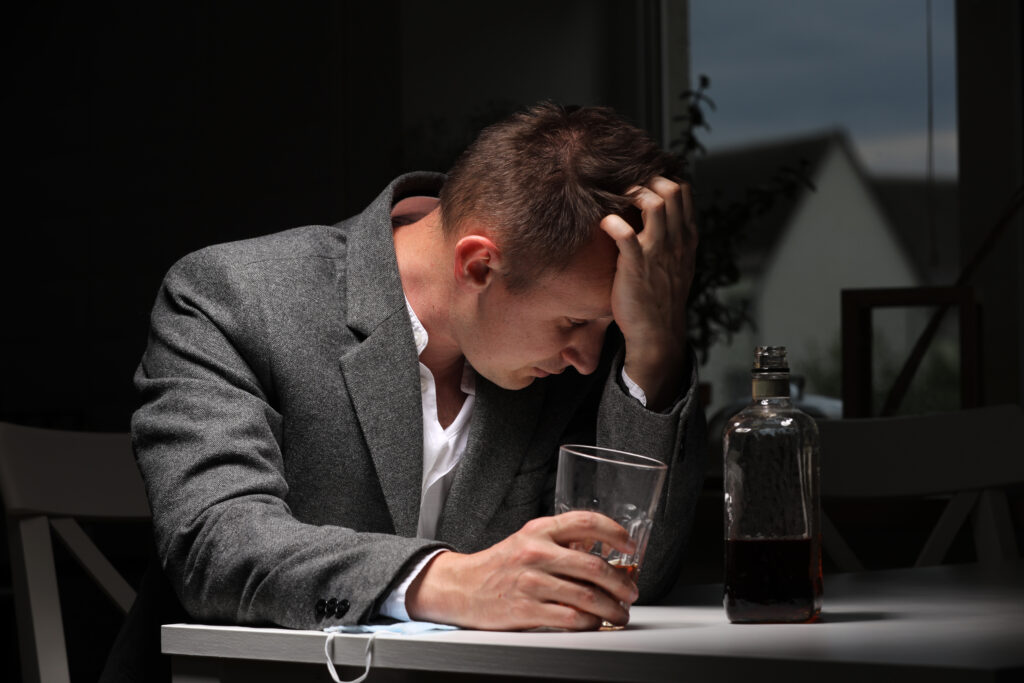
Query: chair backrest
point(48, 479)
point(968, 456)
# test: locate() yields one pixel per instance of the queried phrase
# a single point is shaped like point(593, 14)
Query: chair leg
point(993, 528)
point(37, 602)
point(837, 548)
point(94, 562)
point(945, 529)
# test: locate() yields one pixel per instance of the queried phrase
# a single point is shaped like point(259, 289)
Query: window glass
point(837, 95)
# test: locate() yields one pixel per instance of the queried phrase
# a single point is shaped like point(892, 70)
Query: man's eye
point(576, 323)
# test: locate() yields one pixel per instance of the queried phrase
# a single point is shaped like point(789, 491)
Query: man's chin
point(513, 382)
point(520, 383)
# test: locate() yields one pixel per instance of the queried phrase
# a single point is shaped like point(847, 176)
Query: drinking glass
point(623, 486)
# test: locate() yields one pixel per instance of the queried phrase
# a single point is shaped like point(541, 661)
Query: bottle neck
point(766, 385)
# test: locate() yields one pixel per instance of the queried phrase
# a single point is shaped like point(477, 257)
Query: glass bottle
point(772, 503)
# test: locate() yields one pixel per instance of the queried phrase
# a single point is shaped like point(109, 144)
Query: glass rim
point(648, 463)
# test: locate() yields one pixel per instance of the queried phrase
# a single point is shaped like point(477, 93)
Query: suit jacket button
point(342, 609)
point(332, 604)
point(321, 608)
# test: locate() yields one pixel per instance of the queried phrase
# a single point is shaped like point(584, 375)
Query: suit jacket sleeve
point(676, 437)
point(208, 440)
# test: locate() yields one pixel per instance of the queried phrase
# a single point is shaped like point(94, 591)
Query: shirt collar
point(420, 336)
point(419, 333)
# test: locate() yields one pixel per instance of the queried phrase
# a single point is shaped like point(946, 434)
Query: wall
point(990, 75)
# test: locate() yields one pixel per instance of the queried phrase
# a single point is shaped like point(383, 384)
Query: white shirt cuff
point(394, 605)
point(634, 389)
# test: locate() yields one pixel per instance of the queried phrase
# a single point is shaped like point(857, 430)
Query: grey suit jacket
point(280, 431)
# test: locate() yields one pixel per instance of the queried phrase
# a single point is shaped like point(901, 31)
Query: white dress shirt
point(443, 448)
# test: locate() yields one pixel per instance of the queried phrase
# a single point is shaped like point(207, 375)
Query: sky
point(787, 67)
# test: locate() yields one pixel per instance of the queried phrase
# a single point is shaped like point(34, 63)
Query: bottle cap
point(770, 359)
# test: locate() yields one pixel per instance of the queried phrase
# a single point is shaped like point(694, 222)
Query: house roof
point(726, 176)
point(931, 242)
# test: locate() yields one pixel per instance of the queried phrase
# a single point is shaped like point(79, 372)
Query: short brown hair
point(545, 177)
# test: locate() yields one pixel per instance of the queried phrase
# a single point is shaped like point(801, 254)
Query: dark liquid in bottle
point(768, 580)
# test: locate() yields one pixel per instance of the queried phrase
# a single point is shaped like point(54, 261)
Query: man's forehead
point(584, 286)
point(597, 259)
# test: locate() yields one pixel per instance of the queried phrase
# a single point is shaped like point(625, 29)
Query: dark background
point(137, 133)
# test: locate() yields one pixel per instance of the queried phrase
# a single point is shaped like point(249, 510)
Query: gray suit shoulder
point(307, 242)
point(249, 287)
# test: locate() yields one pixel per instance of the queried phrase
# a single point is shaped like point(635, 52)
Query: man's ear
point(476, 262)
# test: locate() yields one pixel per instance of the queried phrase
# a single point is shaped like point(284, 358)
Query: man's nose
point(584, 351)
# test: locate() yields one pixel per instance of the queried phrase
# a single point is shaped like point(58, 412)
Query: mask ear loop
point(329, 652)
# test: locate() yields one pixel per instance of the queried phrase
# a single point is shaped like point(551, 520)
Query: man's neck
point(423, 264)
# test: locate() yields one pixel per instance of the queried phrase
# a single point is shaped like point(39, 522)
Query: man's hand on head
point(531, 579)
point(652, 282)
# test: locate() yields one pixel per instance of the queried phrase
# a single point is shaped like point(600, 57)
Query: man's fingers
point(579, 594)
point(654, 211)
point(674, 208)
point(595, 573)
point(625, 238)
point(678, 199)
point(581, 529)
point(689, 227)
point(582, 525)
point(689, 213)
point(557, 615)
point(590, 599)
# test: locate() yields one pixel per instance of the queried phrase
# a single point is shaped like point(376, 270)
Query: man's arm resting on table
point(207, 441)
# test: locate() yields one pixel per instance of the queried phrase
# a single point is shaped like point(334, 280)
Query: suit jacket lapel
point(381, 373)
point(502, 426)
point(383, 384)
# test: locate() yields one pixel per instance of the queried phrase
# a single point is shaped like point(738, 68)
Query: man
point(343, 423)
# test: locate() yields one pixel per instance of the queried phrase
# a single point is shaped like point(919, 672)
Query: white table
point(950, 623)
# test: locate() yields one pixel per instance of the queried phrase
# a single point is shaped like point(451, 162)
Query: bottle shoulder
point(772, 413)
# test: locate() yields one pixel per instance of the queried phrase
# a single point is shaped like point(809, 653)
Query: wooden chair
point(48, 479)
point(970, 457)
